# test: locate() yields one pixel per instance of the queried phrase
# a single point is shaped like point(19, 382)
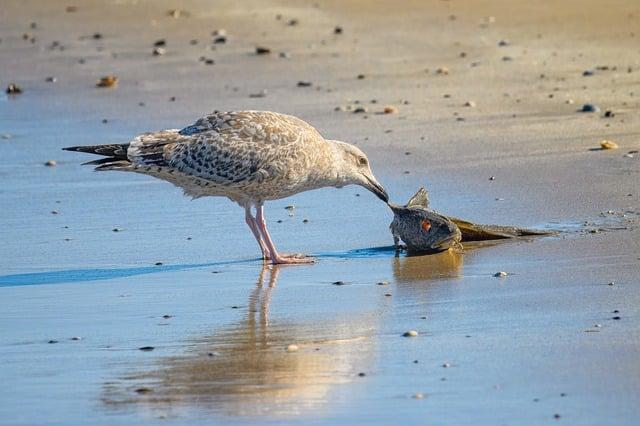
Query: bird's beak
point(377, 189)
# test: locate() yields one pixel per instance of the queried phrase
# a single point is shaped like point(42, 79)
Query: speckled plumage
point(247, 156)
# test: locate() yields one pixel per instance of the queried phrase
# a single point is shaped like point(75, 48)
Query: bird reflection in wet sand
point(250, 370)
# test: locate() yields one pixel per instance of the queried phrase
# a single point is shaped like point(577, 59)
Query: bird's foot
point(291, 259)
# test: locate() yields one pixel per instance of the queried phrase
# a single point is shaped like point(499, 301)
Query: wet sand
point(552, 338)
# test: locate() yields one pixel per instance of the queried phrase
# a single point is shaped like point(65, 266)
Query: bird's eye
point(362, 161)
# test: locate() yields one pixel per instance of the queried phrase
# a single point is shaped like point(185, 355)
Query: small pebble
point(13, 89)
point(611, 283)
point(609, 114)
point(51, 342)
point(616, 318)
point(158, 263)
point(442, 71)
point(160, 43)
point(220, 40)
point(5, 136)
point(338, 283)
point(262, 50)
point(143, 390)
point(292, 348)
point(587, 73)
point(159, 51)
point(383, 283)
point(503, 43)
point(446, 365)
point(418, 395)
point(304, 84)
point(51, 163)
point(556, 416)
point(589, 108)
point(410, 333)
point(360, 110)
point(470, 104)
point(605, 144)
point(116, 229)
point(146, 348)
point(338, 30)
point(54, 212)
point(500, 274)
point(51, 79)
point(107, 81)
point(76, 338)
point(390, 109)
point(362, 374)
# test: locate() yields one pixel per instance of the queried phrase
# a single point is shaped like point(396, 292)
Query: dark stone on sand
point(304, 84)
point(503, 43)
point(209, 62)
point(158, 263)
point(160, 43)
point(96, 36)
point(146, 348)
point(616, 318)
point(220, 40)
point(167, 316)
point(361, 76)
point(143, 390)
point(587, 73)
point(337, 30)
point(338, 283)
point(260, 50)
point(589, 108)
point(609, 114)
point(51, 342)
point(50, 79)
point(556, 416)
point(362, 374)
point(13, 89)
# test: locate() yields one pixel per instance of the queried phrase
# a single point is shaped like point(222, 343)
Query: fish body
point(421, 229)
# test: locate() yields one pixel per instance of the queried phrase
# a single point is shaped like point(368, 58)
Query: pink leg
point(253, 225)
point(274, 256)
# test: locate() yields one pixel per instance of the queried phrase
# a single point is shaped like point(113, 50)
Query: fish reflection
point(246, 369)
point(447, 264)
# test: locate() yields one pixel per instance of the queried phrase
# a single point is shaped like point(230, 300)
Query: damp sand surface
point(126, 262)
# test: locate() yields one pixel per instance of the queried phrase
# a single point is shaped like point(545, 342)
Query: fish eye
point(362, 161)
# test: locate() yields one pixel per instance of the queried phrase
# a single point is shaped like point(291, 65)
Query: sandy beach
point(486, 100)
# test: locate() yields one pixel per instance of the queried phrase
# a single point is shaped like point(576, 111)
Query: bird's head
point(354, 169)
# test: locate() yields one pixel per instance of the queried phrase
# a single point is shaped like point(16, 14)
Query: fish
point(422, 230)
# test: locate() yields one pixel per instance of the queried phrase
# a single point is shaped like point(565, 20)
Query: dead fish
point(421, 229)
point(469, 231)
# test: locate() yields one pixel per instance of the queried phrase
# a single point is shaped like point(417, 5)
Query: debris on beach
point(390, 109)
point(589, 108)
point(410, 333)
point(107, 81)
point(500, 274)
point(51, 163)
point(159, 51)
point(442, 71)
point(606, 144)
point(178, 13)
point(146, 348)
point(260, 94)
point(292, 348)
point(338, 29)
point(13, 89)
point(304, 84)
point(418, 395)
point(160, 43)
point(470, 104)
point(261, 50)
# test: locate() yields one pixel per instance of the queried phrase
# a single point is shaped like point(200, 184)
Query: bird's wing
point(235, 148)
point(261, 124)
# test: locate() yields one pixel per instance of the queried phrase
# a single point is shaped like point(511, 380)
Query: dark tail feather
point(118, 151)
point(113, 164)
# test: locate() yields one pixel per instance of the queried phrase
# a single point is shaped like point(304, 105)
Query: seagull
point(249, 157)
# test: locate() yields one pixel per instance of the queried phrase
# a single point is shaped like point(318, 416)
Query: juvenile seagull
point(248, 156)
